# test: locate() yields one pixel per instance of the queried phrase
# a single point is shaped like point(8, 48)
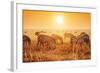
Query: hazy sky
point(56, 20)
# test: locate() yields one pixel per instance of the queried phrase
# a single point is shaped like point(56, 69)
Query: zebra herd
point(80, 44)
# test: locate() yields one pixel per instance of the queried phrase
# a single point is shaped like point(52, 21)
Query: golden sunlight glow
point(33, 19)
point(59, 20)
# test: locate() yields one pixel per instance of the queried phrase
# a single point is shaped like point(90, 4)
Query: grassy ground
point(60, 53)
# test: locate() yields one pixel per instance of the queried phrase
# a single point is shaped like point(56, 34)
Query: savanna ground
point(33, 52)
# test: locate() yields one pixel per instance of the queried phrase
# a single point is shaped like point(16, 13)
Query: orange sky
point(47, 20)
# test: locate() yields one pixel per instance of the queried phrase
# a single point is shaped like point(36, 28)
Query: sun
point(59, 20)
